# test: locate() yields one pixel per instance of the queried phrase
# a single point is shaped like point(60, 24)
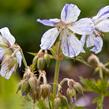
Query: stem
point(56, 76)
point(33, 105)
point(24, 60)
point(101, 73)
point(100, 103)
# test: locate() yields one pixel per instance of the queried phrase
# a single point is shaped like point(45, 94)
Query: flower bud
point(35, 94)
point(57, 102)
point(33, 83)
point(78, 87)
point(64, 101)
point(71, 92)
point(93, 60)
point(45, 90)
point(27, 74)
point(47, 59)
point(35, 60)
point(41, 63)
point(25, 88)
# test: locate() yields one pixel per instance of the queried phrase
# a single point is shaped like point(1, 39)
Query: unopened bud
point(93, 60)
point(57, 102)
point(35, 60)
point(71, 92)
point(41, 63)
point(78, 87)
point(33, 82)
point(47, 59)
point(64, 101)
point(45, 90)
point(19, 86)
point(25, 88)
point(35, 94)
point(27, 74)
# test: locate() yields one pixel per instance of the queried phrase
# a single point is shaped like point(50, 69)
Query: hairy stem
point(56, 77)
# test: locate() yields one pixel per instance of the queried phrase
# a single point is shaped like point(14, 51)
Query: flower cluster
point(68, 27)
point(31, 85)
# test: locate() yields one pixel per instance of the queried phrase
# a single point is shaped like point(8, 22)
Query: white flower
point(65, 28)
point(101, 24)
point(10, 53)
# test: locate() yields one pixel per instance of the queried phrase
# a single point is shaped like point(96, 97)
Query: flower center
point(61, 25)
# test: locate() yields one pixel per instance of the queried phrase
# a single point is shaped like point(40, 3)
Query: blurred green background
point(20, 16)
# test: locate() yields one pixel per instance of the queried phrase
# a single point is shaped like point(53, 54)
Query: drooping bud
point(41, 63)
point(57, 102)
point(78, 87)
point(64, 101)
point(45, 90)
point(71, 92)
point(93, 60)
point(33, 83)
point(25, 88)
point(27, 73)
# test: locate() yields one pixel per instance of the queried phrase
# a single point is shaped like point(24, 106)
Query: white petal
point(49, 22)
point(3, 42)
point(70, 45)
point(2, 51)
point(19, 58)
point(94, 41)
point(70, 13)
point(4, 69)
point(103, 26)
point(8, 74)
point(98, 44)
point(83, 26)
point(83, 40)
point(49, 38)
point(90, 40)
point(7, 35)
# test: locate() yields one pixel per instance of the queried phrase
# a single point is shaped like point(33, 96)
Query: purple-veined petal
point(49, 22)
point(103, 13)
point(19, 58)
point(8, 74)
point(83, 27)
point(49, 38)
point(70, 45)
point(103, 26)
point(2, 51)
point(83, 39)
point(70, 13)
point(4, 69)
point(5, 33)
point(96, 42)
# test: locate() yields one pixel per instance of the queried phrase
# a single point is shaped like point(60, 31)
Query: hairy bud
point(33, 82)
point(45, 90)
point(41, 63)
point(93, 60)
point(71, 92)
point(25, 88)
point(47, 59)
point(57, 102)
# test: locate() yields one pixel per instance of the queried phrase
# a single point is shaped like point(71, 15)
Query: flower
point(10, 53)
point(65, 28)
point(101, 24)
